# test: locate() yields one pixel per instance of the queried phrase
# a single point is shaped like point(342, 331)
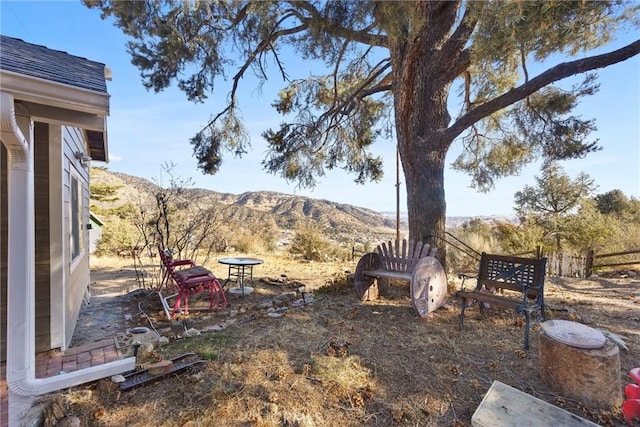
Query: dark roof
point(38, 61)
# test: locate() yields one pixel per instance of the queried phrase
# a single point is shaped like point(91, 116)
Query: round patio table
point(240, 269)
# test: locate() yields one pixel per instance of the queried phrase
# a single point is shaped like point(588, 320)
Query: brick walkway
point(53, 362)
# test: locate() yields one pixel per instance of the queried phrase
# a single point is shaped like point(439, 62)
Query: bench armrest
point(464, 277)
point(526, 288)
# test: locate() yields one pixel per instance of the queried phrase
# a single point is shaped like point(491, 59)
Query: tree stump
point(578, 362)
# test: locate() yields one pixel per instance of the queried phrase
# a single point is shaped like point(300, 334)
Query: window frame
point(76, 216)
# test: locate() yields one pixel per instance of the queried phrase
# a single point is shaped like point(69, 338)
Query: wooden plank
point(417, 250)
point(505, 406)
point(384, 255)
point(491, 299)
point(388, 274)
point(412, 247)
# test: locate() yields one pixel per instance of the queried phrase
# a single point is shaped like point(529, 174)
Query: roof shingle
point(38, 61)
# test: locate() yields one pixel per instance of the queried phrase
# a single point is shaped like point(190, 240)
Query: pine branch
point(554, 74)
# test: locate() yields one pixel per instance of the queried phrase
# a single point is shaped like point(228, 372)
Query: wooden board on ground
point(428, 286)
point(505, 406)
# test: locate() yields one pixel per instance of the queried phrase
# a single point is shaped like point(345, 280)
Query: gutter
point(20, 368)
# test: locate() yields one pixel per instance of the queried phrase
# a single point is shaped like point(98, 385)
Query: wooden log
point(589, 375)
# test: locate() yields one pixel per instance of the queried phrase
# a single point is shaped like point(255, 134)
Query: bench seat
point(397, 275)
point(503, 301)
point(412, 262)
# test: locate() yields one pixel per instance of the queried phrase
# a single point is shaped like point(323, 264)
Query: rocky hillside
point(285, 210)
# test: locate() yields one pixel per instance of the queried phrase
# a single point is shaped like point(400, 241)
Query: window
point(77, 243)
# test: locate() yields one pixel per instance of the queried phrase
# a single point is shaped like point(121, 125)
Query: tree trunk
point(426, 203)
point(423, 159)
point(422, 79)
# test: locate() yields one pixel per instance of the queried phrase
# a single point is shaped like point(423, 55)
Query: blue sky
point(147, 129)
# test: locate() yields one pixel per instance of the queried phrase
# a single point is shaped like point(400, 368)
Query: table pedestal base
point(238, 291)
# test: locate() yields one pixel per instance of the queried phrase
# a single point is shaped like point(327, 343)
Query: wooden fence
point(566, 265)
point(595, 261)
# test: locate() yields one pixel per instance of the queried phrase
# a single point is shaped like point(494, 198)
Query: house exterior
point(53, 109)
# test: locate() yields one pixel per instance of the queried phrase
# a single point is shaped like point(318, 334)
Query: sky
point(147, 130)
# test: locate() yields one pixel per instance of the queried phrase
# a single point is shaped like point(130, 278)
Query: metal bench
point(412, 262)
point(520, 282)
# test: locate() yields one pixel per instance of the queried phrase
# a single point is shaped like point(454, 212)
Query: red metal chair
point(190, 279)
point(167, 259)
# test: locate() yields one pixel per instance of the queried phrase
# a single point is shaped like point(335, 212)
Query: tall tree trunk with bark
point(422, 79)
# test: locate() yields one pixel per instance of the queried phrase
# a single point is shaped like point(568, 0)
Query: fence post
point(588, 263)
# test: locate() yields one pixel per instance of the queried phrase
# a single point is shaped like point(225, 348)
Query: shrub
point(310, 243)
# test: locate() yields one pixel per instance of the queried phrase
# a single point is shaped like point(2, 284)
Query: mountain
point(337, 220)
point(340, 221)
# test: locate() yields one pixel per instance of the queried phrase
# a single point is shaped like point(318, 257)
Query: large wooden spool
point(578, 362)
point(428, 286)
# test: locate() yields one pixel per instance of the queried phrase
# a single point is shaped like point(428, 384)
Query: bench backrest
point(396, 256)
point(513, 273)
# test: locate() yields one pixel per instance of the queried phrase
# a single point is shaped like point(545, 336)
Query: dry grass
point(341, 362)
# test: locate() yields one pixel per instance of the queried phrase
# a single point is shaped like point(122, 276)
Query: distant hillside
point(286, 210)
point(339, 221)
point(456, 221)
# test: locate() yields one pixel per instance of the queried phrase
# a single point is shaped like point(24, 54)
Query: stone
point(118, 378)
point(162, 367)
point(193, 332)
point(275, 314)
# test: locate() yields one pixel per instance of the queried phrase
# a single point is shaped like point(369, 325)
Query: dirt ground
point(275, 359)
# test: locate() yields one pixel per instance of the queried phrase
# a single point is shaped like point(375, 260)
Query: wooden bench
point(520, 282)
point(412, 262)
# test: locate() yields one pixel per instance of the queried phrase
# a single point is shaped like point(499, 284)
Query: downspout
point(20, 369)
